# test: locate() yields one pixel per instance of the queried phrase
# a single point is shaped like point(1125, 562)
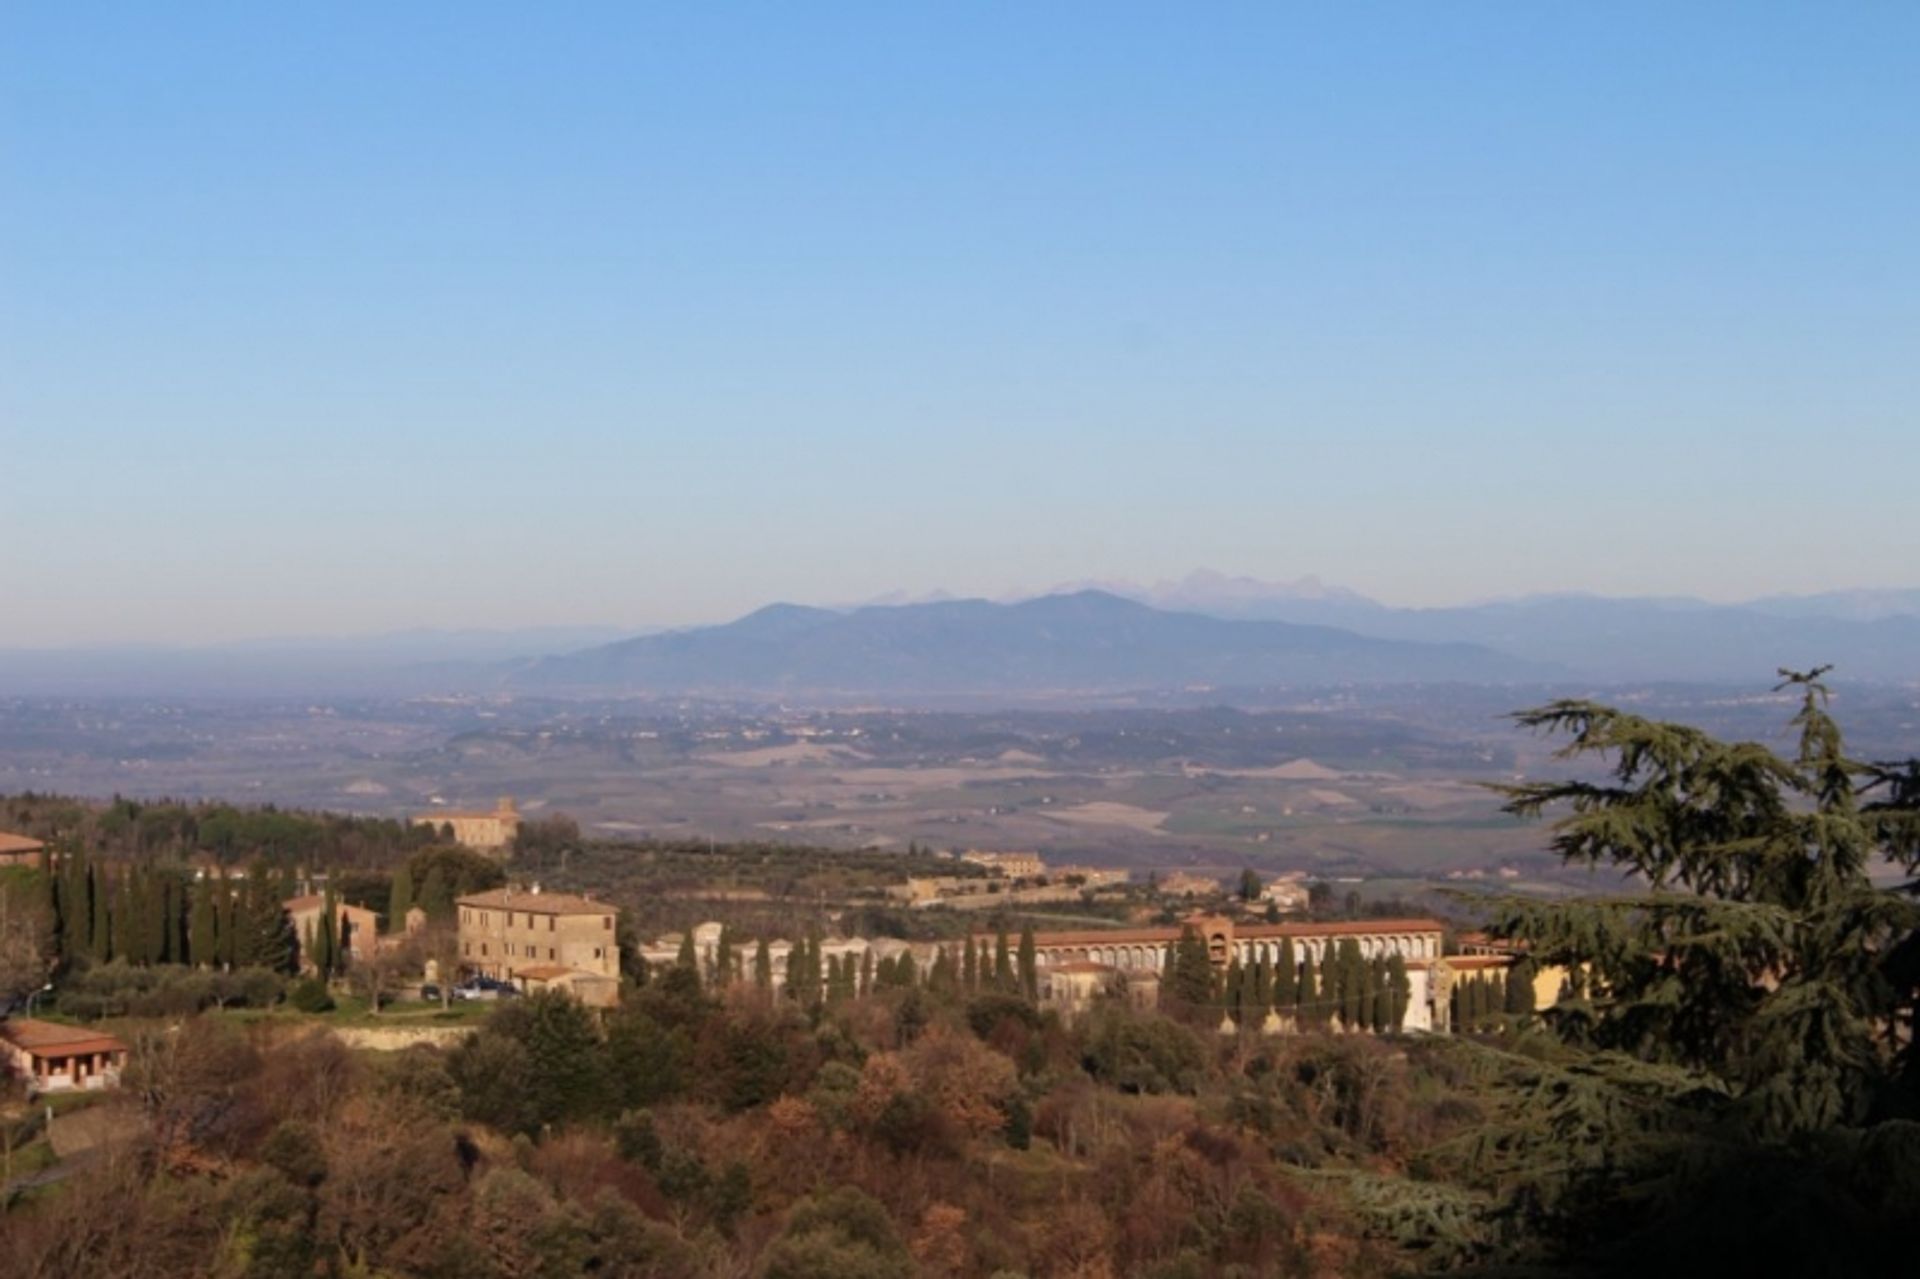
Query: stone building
point(479, 830)
point(1149, 950)
point(357, 926)
point(1012, 865)
point(506, 933)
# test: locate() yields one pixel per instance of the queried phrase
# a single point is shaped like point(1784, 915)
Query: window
point(509, 919)
point(549, 952)
point(467, 949)
point(483, 950)
point(596, 952)
point(606, 921)
point(550, 920)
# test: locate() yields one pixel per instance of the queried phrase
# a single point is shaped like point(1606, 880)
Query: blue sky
point(363, 316)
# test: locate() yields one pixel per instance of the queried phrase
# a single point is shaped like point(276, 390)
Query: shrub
point(310, 995)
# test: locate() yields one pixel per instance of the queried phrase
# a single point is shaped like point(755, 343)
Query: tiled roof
point(1170, 933)
point(51, 1039)
point(543, 972)
point(11, 843)
point(536, 903)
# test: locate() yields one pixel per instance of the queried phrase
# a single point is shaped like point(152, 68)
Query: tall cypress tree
point(399, 899)
point(1399, 991)
point(1353, 983)
point(763, 965)
point(1029, 967)
point(1307, 995)
point(100, 935)
point(970, 967)
point(1286, 977)
point(203, 947)
point(1190, 980)
point(1003, 975)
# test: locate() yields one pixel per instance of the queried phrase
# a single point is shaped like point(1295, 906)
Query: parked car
point(430, 992)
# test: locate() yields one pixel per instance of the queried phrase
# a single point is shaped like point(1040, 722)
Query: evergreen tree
point(1286, 977)
point(941, 978)
point(436, 896)
point(1399, 991)
point(1029, 967)
point(226, 934)
point(1761, 952)
point(1235, 991)
point(866, 972)
point(687, 957)
point(1519, 1002)
point(1307, 995)
point(100, 935)
point(970, 968)
point(1190, 979)
point(399, 899)
point(1381, 999)
point(905, 973)
point(203, 947)
point(1003, 974)
point(325, 939)
point(723, 958)
point(1262, 987)
point(762, 965)
point(1353, 983)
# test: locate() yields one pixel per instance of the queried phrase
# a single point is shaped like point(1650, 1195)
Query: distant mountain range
point(1082, 642)
point(1865, 634)
point(1206, 630)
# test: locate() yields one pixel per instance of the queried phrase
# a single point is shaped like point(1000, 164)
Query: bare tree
point(25, 941)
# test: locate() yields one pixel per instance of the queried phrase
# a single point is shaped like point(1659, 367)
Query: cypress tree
point(100, 933)
point(941, 978)
point(399, 899)
point(906, 973)
point(436, 896)
point(1190, 981)
point(1262, 986)
point(1353, 983)
point(866, 972)
point(687, 957)
point(1235, 990)
point(1519, 1001)
point(970, 968)
point(203, 948)
point(1308, 994)
point(1399, 991)
point(1003, 975)
point(225, 930)
point(763, 965)
point(1029, 967)
point(1286, 978)
point(723, 958)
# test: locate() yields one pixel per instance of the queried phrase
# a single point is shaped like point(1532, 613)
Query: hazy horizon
point(648, 318)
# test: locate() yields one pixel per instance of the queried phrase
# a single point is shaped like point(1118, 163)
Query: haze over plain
point(645, 318)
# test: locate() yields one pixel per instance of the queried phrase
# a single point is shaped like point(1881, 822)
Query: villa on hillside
point(55, 1058)
point(484, 831)
point(542, 941)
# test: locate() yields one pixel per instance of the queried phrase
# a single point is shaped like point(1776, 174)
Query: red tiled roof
point(11, 843)
point(536, 903)
point(543, 972)
point(1170, 933)
point(51, 1039)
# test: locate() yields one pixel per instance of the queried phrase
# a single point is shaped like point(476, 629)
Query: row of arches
point(1153, 957)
